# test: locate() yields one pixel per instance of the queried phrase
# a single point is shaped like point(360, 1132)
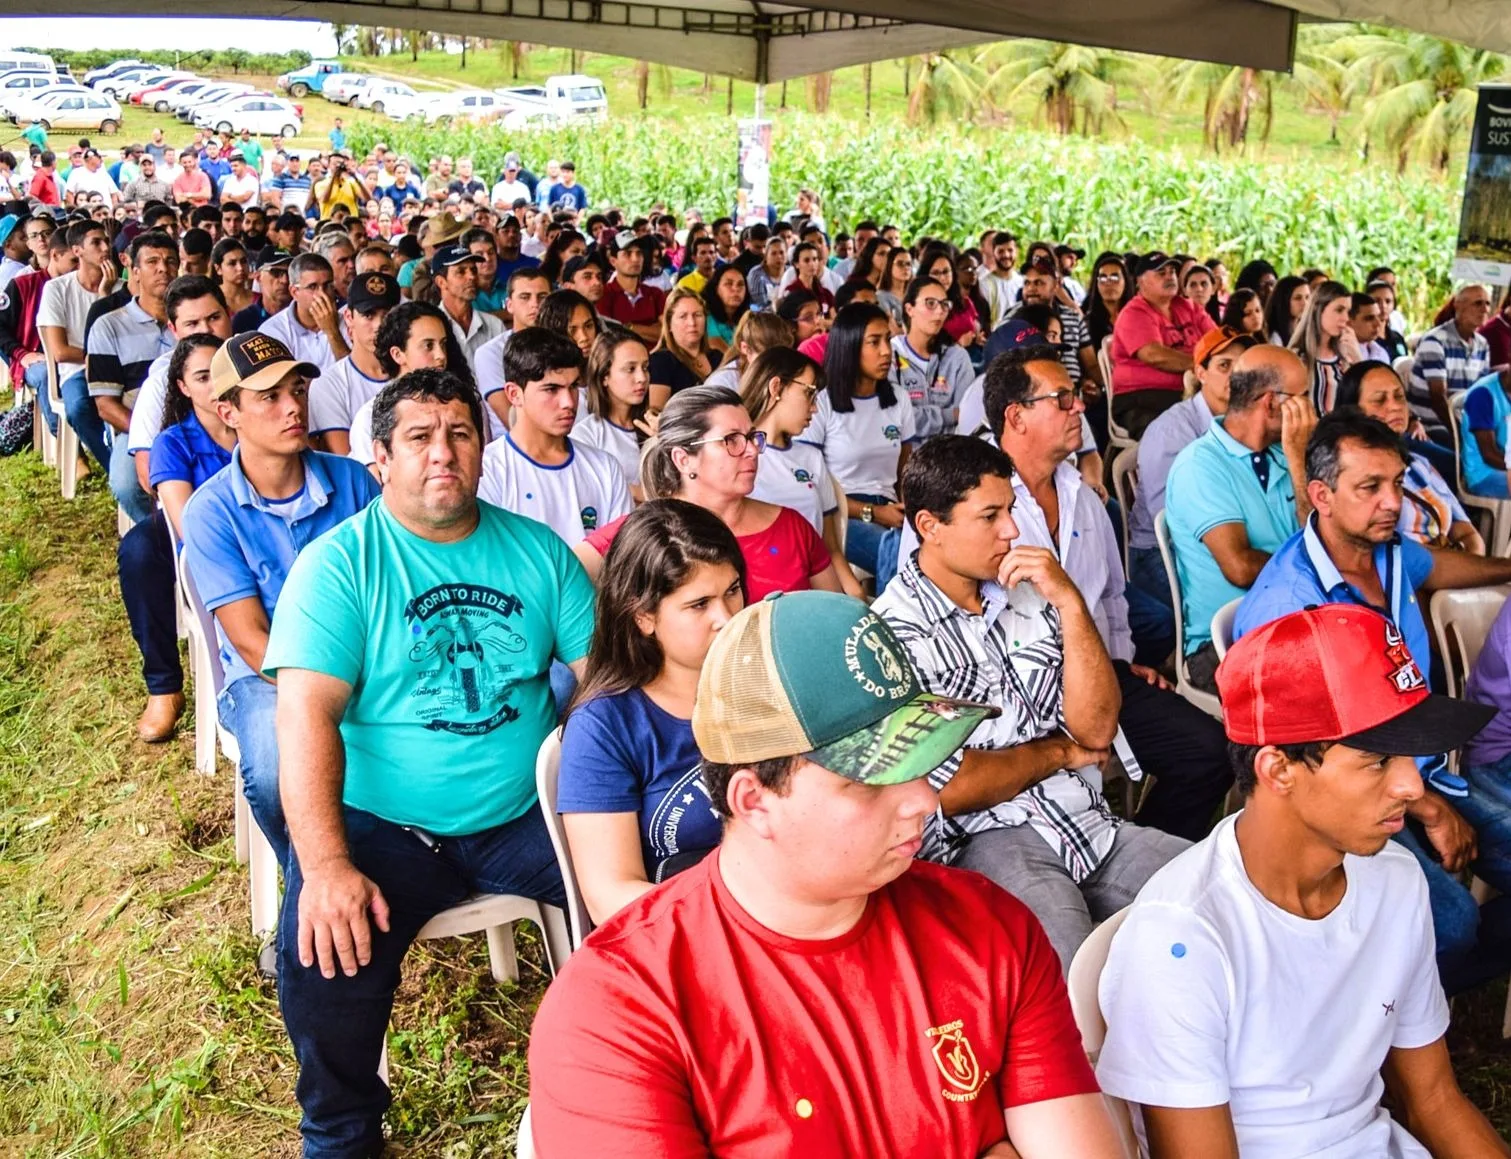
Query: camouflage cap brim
point(905, 745)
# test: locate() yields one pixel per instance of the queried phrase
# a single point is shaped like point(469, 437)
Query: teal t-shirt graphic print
point(468, 656)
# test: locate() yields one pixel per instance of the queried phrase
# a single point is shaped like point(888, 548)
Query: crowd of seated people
point(867, 689)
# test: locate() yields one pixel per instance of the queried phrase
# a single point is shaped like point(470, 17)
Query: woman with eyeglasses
point(897, 273)
point(1430, 512)
point(1111, 287)
point(927, 365)
point(780, 390)
point(865, 425)
point(633, 806)
point(706, 451)
point(963, 323)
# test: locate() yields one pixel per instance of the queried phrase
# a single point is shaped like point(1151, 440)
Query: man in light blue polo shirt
point(244, 527)
point(1350, 552)
point(412, 647)
point(1238, 492)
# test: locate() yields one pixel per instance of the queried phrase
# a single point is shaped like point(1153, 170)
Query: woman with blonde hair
point(755, 334)
point(683, 357)
point(1325, 342)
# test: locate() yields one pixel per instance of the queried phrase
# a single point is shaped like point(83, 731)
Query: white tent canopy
point(763, 42)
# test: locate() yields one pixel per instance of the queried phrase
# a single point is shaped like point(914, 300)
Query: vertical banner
point(753, 190)
point(1484, 245)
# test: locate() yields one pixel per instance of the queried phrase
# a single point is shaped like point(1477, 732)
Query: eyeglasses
point(736, 441)
point(933, 304)
point(808, 389)
point(1113, 277)
point(1064, 399)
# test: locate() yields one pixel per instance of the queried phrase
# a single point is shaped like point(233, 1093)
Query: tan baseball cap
point(255, 361)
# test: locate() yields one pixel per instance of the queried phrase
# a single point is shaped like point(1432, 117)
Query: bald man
point(1450, 357)
point(1237, 493)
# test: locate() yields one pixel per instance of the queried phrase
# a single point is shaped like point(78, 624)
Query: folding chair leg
point(244, 822)
point(383, 1061)
point(68, 459)
point(501, 956)
point(556, 932)
point(263, 872)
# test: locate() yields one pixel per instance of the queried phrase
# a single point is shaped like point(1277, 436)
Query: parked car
point(121, 85)
point(343, 88)
point(203, 99)
point(309, 79)
point(24, 107)
point(569, 96)
point(29, 61)
point(157, 100)
point(79, 110)
point(378, 94)
point(95, 75)
point(475, 105)
point(262, 114)
point(16, 84)
point(136, 92)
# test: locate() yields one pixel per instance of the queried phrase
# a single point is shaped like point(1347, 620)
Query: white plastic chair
point(1402, 366)
point(1117, 434)
point(43, 441)
point(1497, 510)
point(1205, 701)
point(524, 1145)
point(1222, 626)
point(68, 438)
point(1082, 981)
point(547, 770)
point(1125, 491)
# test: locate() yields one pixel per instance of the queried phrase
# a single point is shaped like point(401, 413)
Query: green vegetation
point(132, 1020)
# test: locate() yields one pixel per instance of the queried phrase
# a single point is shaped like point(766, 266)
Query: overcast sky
point(130, 32)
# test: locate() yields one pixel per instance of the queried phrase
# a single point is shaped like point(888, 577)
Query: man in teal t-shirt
point(412, 647)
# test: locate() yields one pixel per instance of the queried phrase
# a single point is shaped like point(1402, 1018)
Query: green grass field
point(132, 1021)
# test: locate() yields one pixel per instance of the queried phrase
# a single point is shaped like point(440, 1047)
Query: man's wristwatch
point(867, 513)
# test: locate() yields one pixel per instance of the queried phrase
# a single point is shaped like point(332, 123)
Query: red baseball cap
point(1339, 672)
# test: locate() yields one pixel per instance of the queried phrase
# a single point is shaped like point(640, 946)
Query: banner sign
point(753, 191)
point(1484, 245)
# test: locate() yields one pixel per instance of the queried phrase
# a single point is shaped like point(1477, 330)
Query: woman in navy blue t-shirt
point(630, 794)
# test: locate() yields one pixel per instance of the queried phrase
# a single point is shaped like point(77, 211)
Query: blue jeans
point(872, 546)
point(36, 378)
point(1146, 571)
point(337, 1025)
point(123, 481)
point(247, 708)
point(1473, 942)
point(84, 418)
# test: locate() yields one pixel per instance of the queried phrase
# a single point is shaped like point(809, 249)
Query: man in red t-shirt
point(626, 298)
point(1152, 343)
point(44, 181)
point(810, 989)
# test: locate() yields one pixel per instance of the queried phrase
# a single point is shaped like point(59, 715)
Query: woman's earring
point(692, 474)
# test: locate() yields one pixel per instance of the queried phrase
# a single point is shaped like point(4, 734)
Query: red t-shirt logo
point(957, 1061)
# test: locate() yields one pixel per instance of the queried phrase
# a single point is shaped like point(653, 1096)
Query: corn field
point(1097, 194)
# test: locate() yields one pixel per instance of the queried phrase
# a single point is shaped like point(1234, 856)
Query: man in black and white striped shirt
point(985, 621)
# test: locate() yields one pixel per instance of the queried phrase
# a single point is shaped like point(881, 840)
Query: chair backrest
point(1402, 367)
point(1167, 555)
point(524, 1144)
point(1125, 491)
point(843, 515)
point(1104, 362)
point(1082, 979)
point(1222, 626)
point(1461, 620)
point(1456, 413)
point(206, 622)
point(547, 771)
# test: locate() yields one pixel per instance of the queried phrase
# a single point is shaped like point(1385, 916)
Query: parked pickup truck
point(309, 79)
point(566, 97)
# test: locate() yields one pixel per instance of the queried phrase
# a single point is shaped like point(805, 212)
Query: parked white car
point(475, 105)
point(379, 94)
point(15, 86)
point(95, 75)
point(568, 97)
point(119, 86)
point(262, 114)
point(190, 106)
point(344, 87)
point(73, 109)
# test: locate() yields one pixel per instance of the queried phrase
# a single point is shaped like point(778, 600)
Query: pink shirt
point(1139, 324)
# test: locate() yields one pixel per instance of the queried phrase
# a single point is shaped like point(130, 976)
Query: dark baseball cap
point(1339, 672)
point(1011, 335)
point(1062, 250)
point(1154, 260)
point(268, 256)
point(451, 255)
point(255, 361)
point(372, 292)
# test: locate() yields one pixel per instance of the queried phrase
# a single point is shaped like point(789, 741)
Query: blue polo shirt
point(1302, 574)
point(185, 452)
point(1214, 481)
point(238, 544)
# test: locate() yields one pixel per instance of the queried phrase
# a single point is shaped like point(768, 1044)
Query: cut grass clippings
point(132, 1019)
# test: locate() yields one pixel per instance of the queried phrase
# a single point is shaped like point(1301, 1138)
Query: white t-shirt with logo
point(579, 496)
point(621, 442)
point(796, 477)
point(862, 447)
point(338, 394)
point(1213, 994)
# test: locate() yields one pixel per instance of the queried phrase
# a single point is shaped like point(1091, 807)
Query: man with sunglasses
point(986, 617)
point(1035, 416)
point(536, 469)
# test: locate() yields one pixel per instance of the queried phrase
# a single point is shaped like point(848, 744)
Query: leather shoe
point(160, 717)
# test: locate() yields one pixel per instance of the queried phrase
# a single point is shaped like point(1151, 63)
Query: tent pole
point(760, 101)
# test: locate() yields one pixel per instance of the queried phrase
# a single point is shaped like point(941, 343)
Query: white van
point(25, 62)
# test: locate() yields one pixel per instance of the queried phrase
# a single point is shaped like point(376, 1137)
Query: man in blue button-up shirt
point(244, 527)
point(1350, 552)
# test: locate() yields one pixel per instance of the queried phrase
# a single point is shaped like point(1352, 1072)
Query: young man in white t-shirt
point(338, 394)
point(1265, 978)
point(535, 469)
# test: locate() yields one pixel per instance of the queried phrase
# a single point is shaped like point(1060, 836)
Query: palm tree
point(1421, 91)
point(1229, 98)
point(946, 88)
point(1320, 72)
point(1061, 80)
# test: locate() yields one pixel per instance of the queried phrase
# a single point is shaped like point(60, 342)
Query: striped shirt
point(1012, 656)
point(121, 349)
point(1444, 353)
point(1429, 508)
